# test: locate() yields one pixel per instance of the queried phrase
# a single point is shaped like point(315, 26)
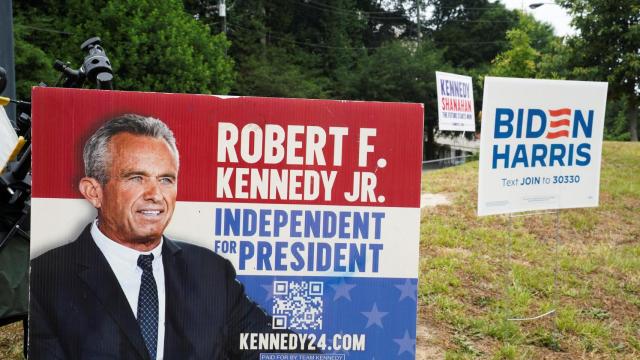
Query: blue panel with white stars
point(375, 317)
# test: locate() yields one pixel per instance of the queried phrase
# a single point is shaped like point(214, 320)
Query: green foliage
point(526, 43)
point(540, 34)
point(607, 46)
point(507, 351)
point(615, 124)
point(554, 62)
point(386, 21)
point(154, 46)
point(340, 32)
point(519, 60)
point(274, 72)
point(544, 338)
point(164, 49)
point(397, 72)
point(33, 65)
point(472, 32)
point(465, 345)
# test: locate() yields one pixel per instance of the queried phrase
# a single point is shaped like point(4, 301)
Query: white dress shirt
point(124, 264)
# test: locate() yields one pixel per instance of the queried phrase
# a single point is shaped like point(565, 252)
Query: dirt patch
point(11, 341)
point(433, 200)
point(427, 346)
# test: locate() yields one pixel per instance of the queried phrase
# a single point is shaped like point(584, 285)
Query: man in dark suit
point(122, 290)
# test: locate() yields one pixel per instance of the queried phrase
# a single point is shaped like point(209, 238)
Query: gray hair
point(96, 154)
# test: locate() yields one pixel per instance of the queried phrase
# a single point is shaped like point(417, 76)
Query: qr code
point(297, 305)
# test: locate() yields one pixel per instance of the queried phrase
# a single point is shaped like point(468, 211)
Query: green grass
point(11, 341)
point(477, 272)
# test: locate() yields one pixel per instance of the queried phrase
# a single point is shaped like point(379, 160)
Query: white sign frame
point(455, 102)
point(517, 113)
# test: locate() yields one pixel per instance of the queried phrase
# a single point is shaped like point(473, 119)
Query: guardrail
point(445, 162)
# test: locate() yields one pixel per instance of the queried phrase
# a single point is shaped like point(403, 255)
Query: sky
point(549, 13)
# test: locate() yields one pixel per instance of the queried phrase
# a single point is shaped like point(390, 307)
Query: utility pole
point(222, 12)
point(6, 54)
point(418, 19)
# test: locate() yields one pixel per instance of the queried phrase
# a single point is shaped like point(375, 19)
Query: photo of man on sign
point(124, 290)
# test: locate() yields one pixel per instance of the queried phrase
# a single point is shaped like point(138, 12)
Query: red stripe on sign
point(63, 119)
point(558, 123)
point(557, 134)
point(559, 112)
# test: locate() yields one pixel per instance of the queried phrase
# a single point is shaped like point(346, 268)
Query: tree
point(555, 61)
point(521, 59)
point(616, 127)
point(385, 23)
point(472, 32)
point(294, 49)
point(276, 72)
point(401, 71)
point(153, 45)
point(32, 64)
point(607, 48)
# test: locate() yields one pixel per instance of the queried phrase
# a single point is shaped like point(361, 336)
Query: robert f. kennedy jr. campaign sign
point(273, 228)
point(541, 144)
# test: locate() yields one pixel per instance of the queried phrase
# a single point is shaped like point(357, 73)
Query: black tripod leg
point(25, 336)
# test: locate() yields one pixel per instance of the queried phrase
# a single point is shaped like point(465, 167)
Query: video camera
point(15, 180)
point(96, 67)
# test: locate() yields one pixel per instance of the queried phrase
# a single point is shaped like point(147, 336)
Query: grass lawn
point(475, 273)
point(11, 341)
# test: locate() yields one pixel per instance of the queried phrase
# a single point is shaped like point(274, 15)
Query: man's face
point(140, 195)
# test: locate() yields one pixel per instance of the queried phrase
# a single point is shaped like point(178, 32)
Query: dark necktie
point(148, 305)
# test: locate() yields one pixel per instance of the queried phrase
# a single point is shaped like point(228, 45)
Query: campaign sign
point(541, 144)
point(314, 202)
point(455, 102)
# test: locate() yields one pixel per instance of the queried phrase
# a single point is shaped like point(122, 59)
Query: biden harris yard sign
point(541, 144)
point(315, 203)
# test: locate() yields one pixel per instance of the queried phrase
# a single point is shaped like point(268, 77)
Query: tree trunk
point(429, 150)
point(263, 14)
point(632, 114)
